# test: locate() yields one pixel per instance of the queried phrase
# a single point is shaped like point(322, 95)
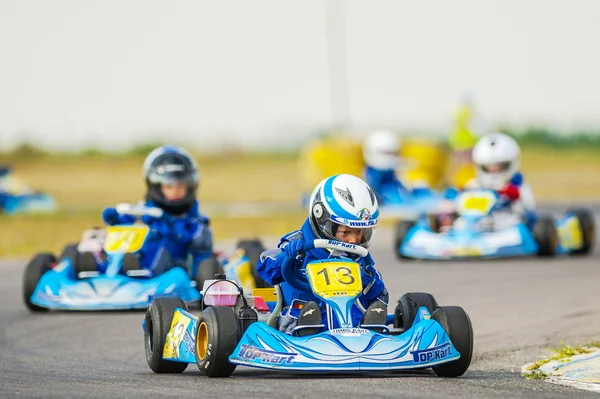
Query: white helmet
point(381, 150)
point(496, 157)
point(343, 200)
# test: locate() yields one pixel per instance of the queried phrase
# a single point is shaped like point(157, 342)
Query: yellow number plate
point(570, 234)
point(479, 204)
point(179, 325)
point(125, 238)
point(329, 279)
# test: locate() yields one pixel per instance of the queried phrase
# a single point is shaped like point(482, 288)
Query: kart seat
point(272, 322)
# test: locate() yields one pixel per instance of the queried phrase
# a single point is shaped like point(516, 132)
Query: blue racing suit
point(172, 238)
point(269, 268)
point(385, 184)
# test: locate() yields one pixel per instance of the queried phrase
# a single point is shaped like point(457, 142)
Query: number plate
point(120, 239)
point(476, 204)
point(329, 279)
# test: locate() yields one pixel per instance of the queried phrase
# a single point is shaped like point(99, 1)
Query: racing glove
point(110, 216)
point(511, 191)
point(294, 249)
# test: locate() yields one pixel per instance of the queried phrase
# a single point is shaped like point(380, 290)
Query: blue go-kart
point(17, 198)
point(233, 329)
point(478, 227)
point(101, 272)
point(407, 204)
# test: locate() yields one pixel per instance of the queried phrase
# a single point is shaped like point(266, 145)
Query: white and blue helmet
point(343, 200)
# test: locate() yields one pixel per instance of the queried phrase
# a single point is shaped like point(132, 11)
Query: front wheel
point(457, 324)
point(588, 230)
point(34, 271)
point(407, 306)
point(546, 236)
point(216, 338)
point(402, 229)
point(159, 317)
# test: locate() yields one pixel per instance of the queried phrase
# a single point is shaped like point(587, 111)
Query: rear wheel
point(402, 229)
point(588, 230)
point(207, 270)
point(34, 271)
point(407, 306)
point(546, 236)
point(216, 338)
point(159, 317)
point(457, 324)
point(253, 249)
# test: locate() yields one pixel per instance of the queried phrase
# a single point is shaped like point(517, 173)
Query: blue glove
point(110, 216)
point(294, 249)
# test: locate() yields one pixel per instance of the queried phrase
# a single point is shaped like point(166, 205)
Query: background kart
point(101, 271)
point(230, 331)
point(509, 236)
point(425, 166)
point(16, 197)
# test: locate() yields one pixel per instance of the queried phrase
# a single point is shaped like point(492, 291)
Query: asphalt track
point(517, 308)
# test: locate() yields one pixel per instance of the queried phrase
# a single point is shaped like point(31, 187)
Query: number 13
point(348, 273)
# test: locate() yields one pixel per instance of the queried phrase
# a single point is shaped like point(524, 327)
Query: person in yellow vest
point(464, 136)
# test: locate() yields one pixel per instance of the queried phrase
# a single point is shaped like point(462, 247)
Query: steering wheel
point(293, 276)
point(139, 210)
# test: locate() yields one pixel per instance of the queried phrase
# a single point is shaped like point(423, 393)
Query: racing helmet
point(381, 150)
point(496, 157)
point(168, 165)
point(343, 200)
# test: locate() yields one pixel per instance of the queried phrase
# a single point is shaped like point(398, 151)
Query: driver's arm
point(111, 217)
point(373, 286)
point(271, 260)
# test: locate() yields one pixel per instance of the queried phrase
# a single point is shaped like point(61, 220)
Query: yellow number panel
point(330, 279)
point(125, 238)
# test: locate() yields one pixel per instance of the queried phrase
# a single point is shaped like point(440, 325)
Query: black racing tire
point(588, 230)
point(546, 236)
point(159, 317)
point(207, 270)
point(407, 306)
point(34, 271)
point(253, 249)
point(457, 324)
point(81, 262)
point(402, 229)
point(216, 338)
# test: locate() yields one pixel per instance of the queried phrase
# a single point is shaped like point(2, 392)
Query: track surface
point(517, 308)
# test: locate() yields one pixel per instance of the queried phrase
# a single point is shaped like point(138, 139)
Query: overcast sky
point(76, 73)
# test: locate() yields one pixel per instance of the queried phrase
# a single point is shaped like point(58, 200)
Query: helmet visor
point(497, 167)
point(171, 174)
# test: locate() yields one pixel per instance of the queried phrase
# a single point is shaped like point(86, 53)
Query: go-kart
point(407, 204)
point(16, 197)
point(241, 266)
point(480, 228)
point(230, 332)
point(103, 273)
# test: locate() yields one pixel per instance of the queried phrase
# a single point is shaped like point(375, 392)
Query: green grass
point(562, 355)
point(84, 183)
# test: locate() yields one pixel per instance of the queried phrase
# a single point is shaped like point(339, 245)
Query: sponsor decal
point(354, 223)
point(189, 342)
point(432, 354)
point(350, 331)
point(342, 244)
point(250, 352)
point(364, 214)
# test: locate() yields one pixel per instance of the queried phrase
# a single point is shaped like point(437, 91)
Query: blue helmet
point(167, 165)
point(343, 200)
